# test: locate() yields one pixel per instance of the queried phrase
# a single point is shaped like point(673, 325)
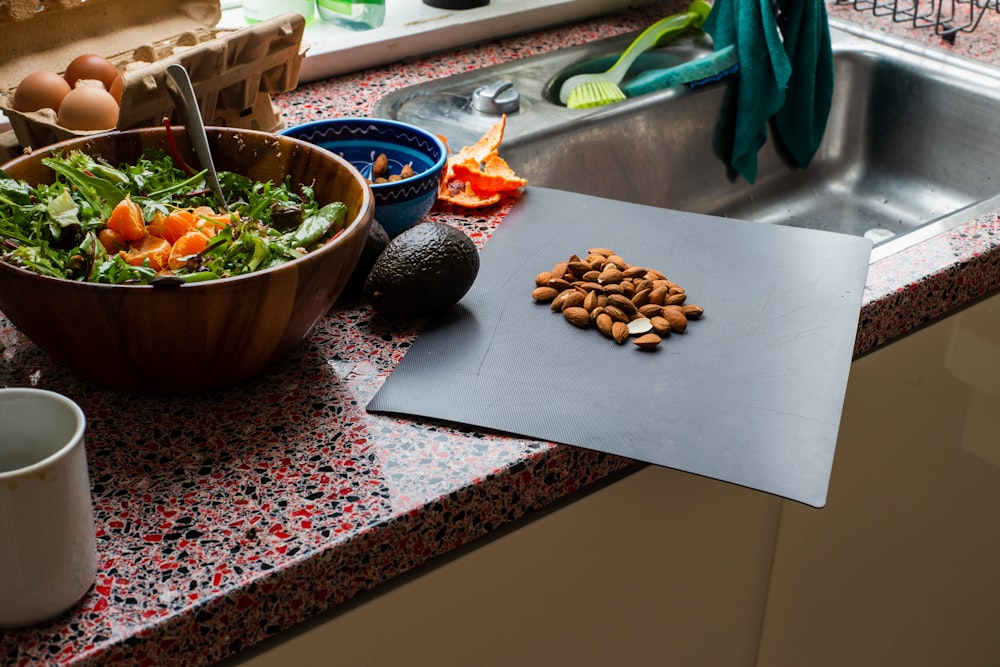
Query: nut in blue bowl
point(399, 204)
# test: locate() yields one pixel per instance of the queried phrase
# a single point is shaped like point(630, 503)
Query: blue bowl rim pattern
point(329, 130)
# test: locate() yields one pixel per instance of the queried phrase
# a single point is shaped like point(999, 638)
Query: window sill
point(413, 29)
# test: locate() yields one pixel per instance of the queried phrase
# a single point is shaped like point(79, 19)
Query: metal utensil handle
point(180, 88)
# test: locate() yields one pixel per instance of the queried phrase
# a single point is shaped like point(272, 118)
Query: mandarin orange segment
point(151, 248)
point(209, 222)
point(126, 220)
point(112, 241)
point(190, 244)
point(172, 226)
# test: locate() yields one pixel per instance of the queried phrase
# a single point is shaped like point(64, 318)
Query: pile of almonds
point(617, 298)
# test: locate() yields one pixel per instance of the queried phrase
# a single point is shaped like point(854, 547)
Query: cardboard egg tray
point(233, 71)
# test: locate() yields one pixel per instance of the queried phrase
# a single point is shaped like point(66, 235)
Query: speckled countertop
point(226, 518)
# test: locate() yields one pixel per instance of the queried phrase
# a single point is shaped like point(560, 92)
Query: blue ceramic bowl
point(398, 204)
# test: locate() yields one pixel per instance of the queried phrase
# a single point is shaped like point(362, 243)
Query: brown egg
point(91, 66)
point(116, 88)
point(40, 90)
point(88, 107)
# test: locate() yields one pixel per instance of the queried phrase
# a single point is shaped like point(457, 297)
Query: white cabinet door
point(660, 568)
point(902, 567)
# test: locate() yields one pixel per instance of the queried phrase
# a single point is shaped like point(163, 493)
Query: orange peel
point(494, 175)
point(462, 194)
point(476, 175)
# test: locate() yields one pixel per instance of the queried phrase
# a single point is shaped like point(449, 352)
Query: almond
point(641, 297)
point(610, 275)
point(634, 272)
point(591, 301)
point(623, 304)
point(660, 325)
point(543, 278)
point(559, 270)
point(601, 251)
point(658, 295)
point(618, 261)
point(577, 316)
point(674, 315)
point(616, 313)
point(544, 294)
point(675, 299)
point(692, 311)
point(574, 299)
point(653, 274)
point(588, 286)
point(642, 284)
point(651, 310)
point(647, 341)
point(578, 268)
point(557, 303)
point(559, 283)
point(619, 332)
point(604, 324)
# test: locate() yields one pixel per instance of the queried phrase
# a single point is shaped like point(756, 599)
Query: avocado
point(423, 271)
point(376, 242)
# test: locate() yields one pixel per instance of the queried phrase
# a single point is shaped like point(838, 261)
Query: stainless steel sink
point(911, 146)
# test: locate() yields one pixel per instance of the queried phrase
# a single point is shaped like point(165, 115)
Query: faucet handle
point(497, 98)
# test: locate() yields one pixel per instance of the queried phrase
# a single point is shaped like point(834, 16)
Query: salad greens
point(55, 229)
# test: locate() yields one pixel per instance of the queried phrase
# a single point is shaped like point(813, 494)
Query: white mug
point(48, 553)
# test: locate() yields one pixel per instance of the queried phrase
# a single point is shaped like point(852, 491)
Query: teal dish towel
point(786, 74)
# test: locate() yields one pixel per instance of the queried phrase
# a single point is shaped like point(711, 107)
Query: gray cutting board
point(751, 394)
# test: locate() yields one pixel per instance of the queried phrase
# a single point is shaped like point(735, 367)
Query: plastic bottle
point(259, 10)
point(352, 14)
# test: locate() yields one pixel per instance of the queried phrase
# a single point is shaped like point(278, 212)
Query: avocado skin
point(376, 242)
point(423, 271)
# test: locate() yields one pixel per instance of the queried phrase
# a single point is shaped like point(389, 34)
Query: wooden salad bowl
point(191, 338)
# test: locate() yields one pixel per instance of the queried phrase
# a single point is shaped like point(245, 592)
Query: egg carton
point(234, 71)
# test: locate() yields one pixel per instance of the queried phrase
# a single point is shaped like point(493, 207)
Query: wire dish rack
point(946, 18)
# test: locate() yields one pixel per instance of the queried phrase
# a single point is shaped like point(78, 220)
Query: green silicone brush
point(591, 90)
point(595, 94)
